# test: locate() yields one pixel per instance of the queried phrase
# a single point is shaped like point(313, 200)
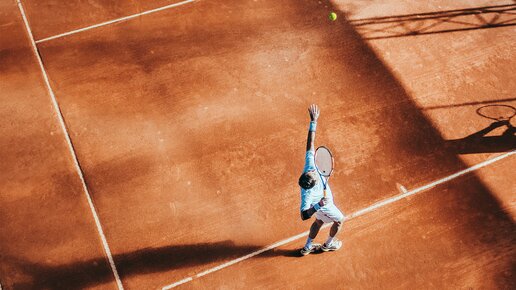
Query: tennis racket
point(497, 112)
point(324, 164)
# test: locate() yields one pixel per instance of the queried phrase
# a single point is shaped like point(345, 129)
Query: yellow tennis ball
point(333, 16)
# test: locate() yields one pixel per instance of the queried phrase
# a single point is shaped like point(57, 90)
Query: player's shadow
point(87, 273)
point(479, 142)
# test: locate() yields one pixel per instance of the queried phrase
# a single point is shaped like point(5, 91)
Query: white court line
point(430, 185)
point(71, 148)
point(401, 188)
point(114, 21)
point(227, 264)
point(349, 217)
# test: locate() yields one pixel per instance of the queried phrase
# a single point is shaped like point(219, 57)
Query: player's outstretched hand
point(323, 201)
point(314, 112)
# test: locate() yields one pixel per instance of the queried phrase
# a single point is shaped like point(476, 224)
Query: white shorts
point(329, 214)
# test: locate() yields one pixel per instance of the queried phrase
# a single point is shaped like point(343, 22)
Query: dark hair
point(306, 180)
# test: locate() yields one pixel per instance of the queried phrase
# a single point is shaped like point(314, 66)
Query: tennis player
point(313, 200)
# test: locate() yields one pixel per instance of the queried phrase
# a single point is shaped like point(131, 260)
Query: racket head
point(324, 161)
point(497, 112)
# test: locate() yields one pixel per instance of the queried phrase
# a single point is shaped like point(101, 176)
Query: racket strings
point(324, 165)
point(324, 161)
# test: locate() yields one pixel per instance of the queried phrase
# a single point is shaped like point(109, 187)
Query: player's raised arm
point(308, 179)
point(314, 115)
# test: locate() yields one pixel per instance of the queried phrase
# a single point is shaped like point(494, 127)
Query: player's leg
point(314, 229)
point(333, 214)
point(332, 244)
point(310, 247)
point(335, 228)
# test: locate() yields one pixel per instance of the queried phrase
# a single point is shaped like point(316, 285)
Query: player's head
point(308, 179)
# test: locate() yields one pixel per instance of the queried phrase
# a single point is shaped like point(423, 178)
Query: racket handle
point(324, 192)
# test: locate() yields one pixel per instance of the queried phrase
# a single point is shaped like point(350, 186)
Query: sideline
point(71, 148)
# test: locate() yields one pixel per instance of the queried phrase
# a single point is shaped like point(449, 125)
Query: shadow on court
point(468, 104)
point(436, 22)
point(480, 142)
point(374, 103)
point(80, 275)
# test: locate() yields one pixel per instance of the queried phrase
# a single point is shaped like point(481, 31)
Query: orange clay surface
point(190, 126)
point(45, 222)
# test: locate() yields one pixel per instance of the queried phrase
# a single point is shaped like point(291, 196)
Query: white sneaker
point(313, 248)
point(334, 246)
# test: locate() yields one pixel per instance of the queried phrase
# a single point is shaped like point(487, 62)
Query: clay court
point(157, 144)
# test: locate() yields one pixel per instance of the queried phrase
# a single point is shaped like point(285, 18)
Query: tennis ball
point(333, 16)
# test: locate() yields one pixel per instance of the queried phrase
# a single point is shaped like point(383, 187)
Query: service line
point(114, 21)
point(349, 217)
